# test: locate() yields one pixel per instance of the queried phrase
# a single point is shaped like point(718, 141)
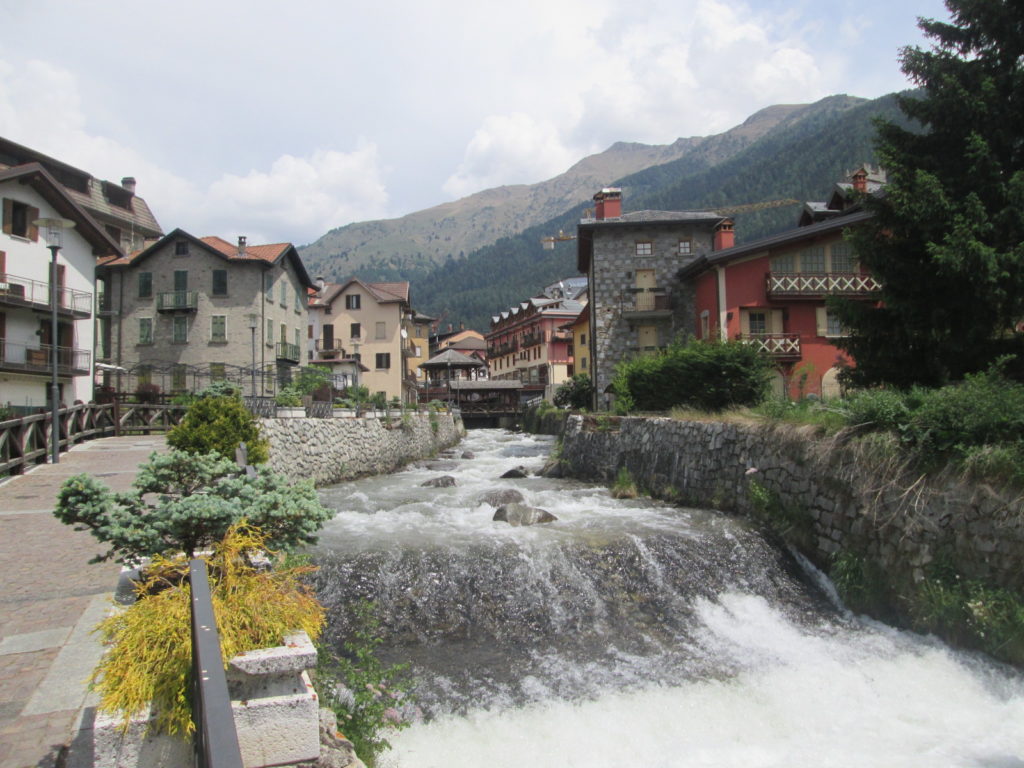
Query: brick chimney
point(241, 245)
point(725, 235)
point(860, 181)
point(608, 204)
point(128, 183)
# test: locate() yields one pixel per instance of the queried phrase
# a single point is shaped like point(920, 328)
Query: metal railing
point(812, 285)
point(168, 301)
point(24, 291)
point(215, 742)
point(23, 357)
point(261, 406)
point(286, 351)
point(319, 410)
point(647, 301)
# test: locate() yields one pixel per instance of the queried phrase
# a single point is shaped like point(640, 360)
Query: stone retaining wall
point(826, 496)
point(332, 450)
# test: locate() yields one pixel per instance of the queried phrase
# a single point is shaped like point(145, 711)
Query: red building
point(771, 292)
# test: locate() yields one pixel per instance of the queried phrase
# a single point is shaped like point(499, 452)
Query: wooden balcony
point(782, 285)
point(331, 350)
point(177, 301)
point(35, 294)
point(22, 358)
point(533, 339)
point(781, 346)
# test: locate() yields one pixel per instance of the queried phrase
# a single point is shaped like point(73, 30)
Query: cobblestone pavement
point(51, 597)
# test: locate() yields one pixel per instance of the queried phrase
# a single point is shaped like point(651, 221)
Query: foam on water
point(631, 632)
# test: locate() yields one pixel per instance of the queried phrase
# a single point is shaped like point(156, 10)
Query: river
point(635, 633)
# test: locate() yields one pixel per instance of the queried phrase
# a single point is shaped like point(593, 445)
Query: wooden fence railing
point(27, 440)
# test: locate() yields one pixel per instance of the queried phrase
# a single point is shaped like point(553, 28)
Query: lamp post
point(253, 323)
point(54, 237)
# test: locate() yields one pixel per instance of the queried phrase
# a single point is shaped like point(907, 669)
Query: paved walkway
point(50, 600)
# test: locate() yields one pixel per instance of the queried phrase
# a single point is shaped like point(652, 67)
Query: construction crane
point(561, 237)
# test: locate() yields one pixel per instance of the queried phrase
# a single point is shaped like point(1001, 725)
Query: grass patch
point(624, 487)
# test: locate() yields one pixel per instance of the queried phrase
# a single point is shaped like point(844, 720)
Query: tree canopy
point(946, 236)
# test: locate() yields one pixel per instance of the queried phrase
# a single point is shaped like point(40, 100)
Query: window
point(219, 328)
point(181, 247)
point(645, 248)
point(583, 339)
point(382, 330)
point(145, 285)
point(383, 361)
point(144, 374)
point(298, 301)
point(268, 286)
point(269, 338)
point(220, 282)
point(145, 330)
point(786, 263)
point(355, 331)
point(179, 329)
point(834, 327)
point(685, 247)
point(218, 371)
point(180, 280)
point(705, 324)
point(352, 301)
point(284, 293)
point(758, 322)
point(297, 333)
point(842, 260)
point(812, 260)
point(18, 218)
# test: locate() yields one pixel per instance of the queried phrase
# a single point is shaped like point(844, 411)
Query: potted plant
point(289, 403)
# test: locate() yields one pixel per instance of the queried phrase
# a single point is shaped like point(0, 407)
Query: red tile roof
point(269, 253)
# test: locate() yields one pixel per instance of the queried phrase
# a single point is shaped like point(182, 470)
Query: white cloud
point(509, 149)
point(300, 198)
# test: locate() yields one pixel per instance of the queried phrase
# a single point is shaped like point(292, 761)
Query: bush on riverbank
point(708, 375)
point(217, 420)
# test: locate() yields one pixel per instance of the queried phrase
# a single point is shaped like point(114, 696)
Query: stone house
point(631, 261)
point(29, 192)
point(188, 310)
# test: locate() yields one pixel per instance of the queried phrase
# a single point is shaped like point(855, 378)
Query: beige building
point(189, 310)
point(372, 323)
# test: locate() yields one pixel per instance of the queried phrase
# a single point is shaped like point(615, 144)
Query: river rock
point(445, 481)
point(520, 514)
point(517, 472)
point(504, 496)
point(468, 455)
point(552, 468)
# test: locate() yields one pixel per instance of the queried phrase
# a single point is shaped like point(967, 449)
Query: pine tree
point(946, 237)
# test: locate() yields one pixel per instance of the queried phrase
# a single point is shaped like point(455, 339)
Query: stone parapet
point(333, 450)
point(838, 499)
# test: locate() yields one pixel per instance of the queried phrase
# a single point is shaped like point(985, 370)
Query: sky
point(283, 120)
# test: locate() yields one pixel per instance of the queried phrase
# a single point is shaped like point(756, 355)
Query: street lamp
point(54, 228)
point(254, 321)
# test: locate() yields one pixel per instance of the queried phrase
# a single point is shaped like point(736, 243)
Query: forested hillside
point(801, 162)
point(801, 158)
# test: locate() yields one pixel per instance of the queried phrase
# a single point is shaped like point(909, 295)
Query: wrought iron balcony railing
point(177, 301)
point(286, 351)
point(18, 356)
point(810, 286)
point(26, 292)
point(778, 345)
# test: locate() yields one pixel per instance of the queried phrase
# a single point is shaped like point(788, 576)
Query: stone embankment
point(824, 495)
point(332, 450)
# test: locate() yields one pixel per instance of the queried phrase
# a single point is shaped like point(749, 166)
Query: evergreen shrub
point(219, 424)
point(707, 375)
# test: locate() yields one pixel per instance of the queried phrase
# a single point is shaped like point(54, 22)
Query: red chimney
point(860, 182)
point(725, 236)
point(608, 204)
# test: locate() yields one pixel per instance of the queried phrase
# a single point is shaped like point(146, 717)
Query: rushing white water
point(635, 633)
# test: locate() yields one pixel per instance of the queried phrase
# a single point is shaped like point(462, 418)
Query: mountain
point(431, 236)
point(797, 152)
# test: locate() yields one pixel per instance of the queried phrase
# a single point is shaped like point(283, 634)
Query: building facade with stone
point(188, 310)
point(631, 261)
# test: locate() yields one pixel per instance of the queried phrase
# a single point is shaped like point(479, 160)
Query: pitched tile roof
point(269, 253)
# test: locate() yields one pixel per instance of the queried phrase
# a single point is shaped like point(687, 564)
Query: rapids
point(632, 632)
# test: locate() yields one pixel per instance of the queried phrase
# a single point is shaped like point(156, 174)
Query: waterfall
point(634, 632)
